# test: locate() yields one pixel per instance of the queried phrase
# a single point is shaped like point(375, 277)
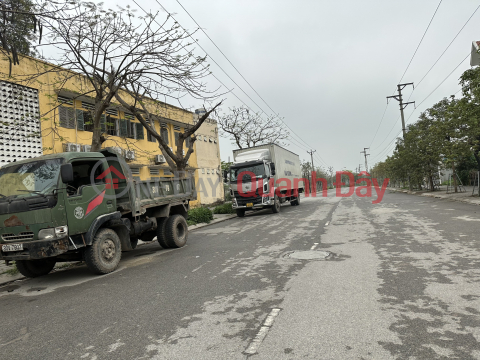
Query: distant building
point(475, 56)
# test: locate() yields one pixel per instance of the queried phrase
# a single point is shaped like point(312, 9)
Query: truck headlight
point(52, 233)
point(46, 234)
point(61, 231)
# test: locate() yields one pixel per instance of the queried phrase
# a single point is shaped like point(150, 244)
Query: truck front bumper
point(265, 203)
point(37, 249)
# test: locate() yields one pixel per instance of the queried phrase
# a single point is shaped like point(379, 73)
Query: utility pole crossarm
point(403, 105)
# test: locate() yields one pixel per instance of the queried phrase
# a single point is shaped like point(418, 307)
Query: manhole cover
point(309, 255)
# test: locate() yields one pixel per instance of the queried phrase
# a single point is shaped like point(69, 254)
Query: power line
point(291, 138)
point(465, 58)
point(408, 66)
point(421, 40)
point(424, 101)
point(213, 42)
point(444, 51)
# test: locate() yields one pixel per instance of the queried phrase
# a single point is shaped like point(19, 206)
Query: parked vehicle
point(85, 206)
point(276, 178)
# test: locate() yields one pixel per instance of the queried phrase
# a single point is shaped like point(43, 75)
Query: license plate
point(12, 247)
point(249, 204)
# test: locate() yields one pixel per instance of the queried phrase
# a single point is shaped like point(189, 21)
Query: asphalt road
point(401, 282)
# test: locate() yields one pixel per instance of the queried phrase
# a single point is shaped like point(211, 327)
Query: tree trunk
point(96, 136)
point(454, 175)
point(430, 179)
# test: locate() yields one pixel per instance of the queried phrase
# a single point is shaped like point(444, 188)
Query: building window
point(87, 121)
point(112, 126)
point(177, 138)
point(149, 134)
point(67, 117)
point(164, 134)
point(203, 171)
point(130, 129)
point(154, 172)
point(167, 172)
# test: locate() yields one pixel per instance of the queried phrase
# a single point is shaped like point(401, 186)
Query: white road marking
point(257, 341)
point(466, 218)
point(314, 246)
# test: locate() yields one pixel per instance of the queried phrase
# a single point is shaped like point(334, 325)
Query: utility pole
point(403, 105)
point(313, 169)
point(364, 152)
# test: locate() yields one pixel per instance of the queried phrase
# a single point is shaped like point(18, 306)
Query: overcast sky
point(327, 66)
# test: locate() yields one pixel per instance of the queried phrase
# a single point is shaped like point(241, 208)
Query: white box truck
point(276, 178)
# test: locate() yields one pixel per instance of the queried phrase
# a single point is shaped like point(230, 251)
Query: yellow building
point(46, 114)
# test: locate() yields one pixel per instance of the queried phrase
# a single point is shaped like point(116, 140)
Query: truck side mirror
point(66, 173)
point(272, 168)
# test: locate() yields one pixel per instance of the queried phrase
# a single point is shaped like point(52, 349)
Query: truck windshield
point(30, 179)
point(242, 172)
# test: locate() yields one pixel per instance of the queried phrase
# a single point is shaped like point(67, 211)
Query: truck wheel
point(296, 201)
point(161, 225)
point(240, 212)
point(35, 268)
point(103, 256)
point(276, 204)
point(176, 231)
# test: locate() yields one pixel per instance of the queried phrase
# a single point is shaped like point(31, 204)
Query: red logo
point(110, 181)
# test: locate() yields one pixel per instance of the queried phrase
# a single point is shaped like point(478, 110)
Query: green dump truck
point(86, 206)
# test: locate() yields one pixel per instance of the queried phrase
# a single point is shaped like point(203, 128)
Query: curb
point(215, 221)
point(436, 196)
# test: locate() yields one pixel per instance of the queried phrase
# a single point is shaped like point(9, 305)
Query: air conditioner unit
point(130, 154)
point(159, 159)
point(87, 148)
point(72, 147)
point(117, 150)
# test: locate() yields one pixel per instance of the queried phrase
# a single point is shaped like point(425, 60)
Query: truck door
point(86, 201)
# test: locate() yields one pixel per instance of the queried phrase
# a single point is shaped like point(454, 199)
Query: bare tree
point(21, 25)
point(116, 57)
point(246, 129)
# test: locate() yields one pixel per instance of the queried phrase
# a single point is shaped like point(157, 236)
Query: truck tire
point(35, 268)
point(103, 256)
point(161, 225)
point(176, 231)
point(276, 204)
point(296, 201)
point(240, 212)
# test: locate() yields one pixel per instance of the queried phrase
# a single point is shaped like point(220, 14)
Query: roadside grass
point(199, 215)
point(224, 209)
point(12, 271)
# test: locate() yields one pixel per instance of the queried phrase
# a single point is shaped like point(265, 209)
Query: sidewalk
point(465, 197)
point(6, 277)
